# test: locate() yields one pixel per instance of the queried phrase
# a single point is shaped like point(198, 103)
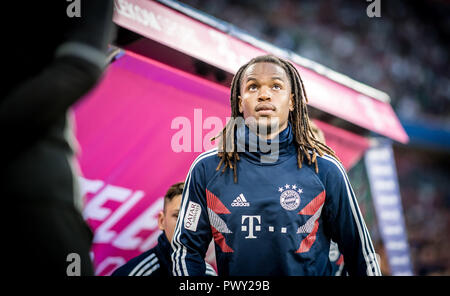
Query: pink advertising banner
point(348, 146)
point(125, 129)
point(194, 38)
point(139, 131)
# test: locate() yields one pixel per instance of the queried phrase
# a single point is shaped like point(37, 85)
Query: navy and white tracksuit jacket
point(276, 220)
point(155, 262)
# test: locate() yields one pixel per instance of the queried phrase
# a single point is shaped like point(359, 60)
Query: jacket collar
point(164, 250)
point(265, 152)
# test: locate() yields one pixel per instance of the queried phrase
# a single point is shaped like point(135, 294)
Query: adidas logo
point(240, 201)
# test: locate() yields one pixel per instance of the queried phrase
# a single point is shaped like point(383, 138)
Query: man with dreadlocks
point(270, 211)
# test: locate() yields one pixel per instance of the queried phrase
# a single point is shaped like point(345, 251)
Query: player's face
point(167, 219)
point(266, 95)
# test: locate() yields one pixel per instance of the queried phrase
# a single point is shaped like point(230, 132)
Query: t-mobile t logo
point(250, 225)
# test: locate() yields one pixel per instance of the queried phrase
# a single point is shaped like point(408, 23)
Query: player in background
point(156, 261)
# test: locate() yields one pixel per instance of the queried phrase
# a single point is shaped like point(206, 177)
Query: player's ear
point(161, 218)
point(291, 102)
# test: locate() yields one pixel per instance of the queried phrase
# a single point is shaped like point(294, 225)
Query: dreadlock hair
point(304, 136)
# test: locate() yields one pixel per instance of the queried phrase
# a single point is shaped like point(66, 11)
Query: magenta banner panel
point(125, 129)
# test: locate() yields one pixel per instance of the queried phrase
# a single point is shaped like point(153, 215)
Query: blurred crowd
point(425, 195)
point(403, 53)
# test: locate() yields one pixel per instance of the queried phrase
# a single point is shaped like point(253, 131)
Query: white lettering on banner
point(112, 262)
point(192, 216)
point(402, 273)
point(399, 260)
point(380, 154)
point(137, 13)
point(182, 32)
point(396, 245)
point(384, 185)
point(393, 230)
point(158, 22)
point(381, 170)
point(94, 209)
point(89, 186)
point(387, 200)
point(223, 48)
point(128, 238)
point(390, 215)
point(103, 233)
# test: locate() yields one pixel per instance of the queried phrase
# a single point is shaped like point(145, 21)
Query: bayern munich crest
point(290, 196)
